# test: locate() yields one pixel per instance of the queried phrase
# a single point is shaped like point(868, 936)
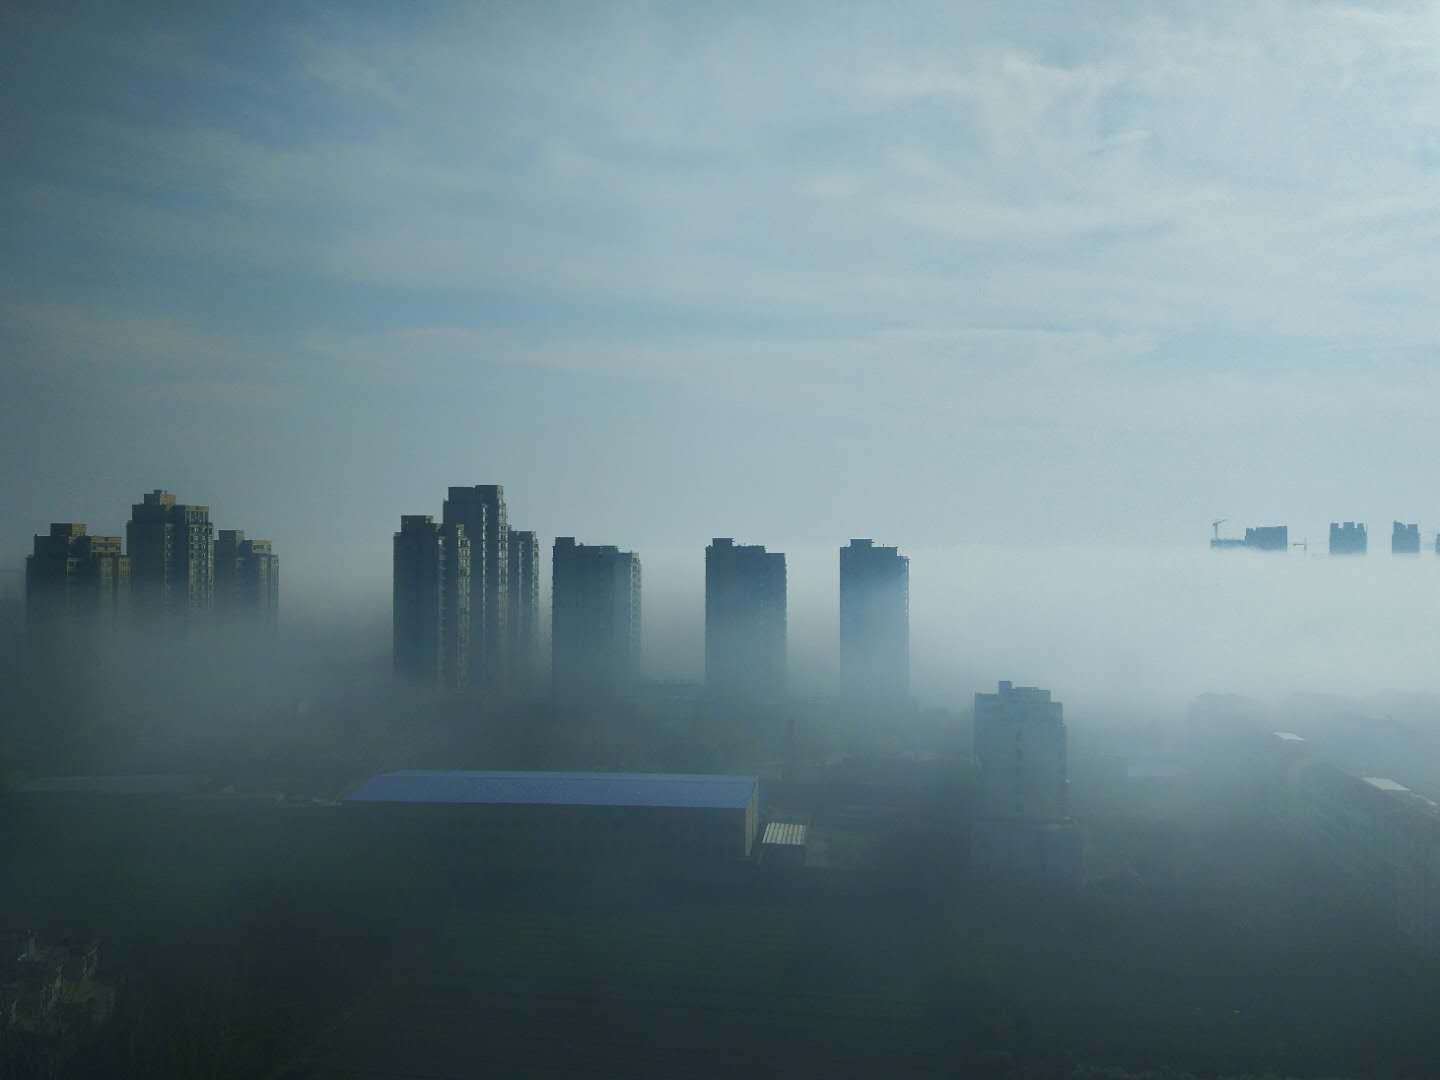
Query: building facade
point(71, 573)
point(432, 592)
point(247, 578)
point(874, 620)
point(172, 550)
point(745, 620)
point(1023, 827)
point(523, 618)
point(1268, 538)
point(594, 620)
point(1404, 539)
point(480, 509)
point(1348, 539)
point(1382, 836)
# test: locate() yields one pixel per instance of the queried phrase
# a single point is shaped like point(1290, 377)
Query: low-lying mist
point(1113, 631)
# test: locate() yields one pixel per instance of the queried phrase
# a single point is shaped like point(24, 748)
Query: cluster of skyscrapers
point(171, 565)
point(467, 596)
point(466, 611)
point(1346, 538)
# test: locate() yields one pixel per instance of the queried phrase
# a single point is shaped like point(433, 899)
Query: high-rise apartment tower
point(745, 620)
point(1022, 826)
point(481, 510)
point(432, 589)
point(247, 577)
point(1404, 539)
point(874, 620)
point(594, 620)
point(1348, 539)
point(172, 551)
point(523, 619)
point(71, 573)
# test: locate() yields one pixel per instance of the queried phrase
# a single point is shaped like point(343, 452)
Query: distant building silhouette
point(523, 619)
point(1268, 538)
point(1257, 538)
point(745, 620)
point(171, 548)
point(1020, 747)
point(1023, 825)
point(71, 573)
point(594, 620)
point(874, 620)
point(481, 510)
point(1404, 539)
point(247, 577)
point(432, 588)
point(1347, 539)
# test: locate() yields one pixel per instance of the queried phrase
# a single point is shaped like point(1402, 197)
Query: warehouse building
point(556, 819)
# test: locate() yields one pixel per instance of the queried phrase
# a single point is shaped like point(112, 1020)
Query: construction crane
point(1216, 526)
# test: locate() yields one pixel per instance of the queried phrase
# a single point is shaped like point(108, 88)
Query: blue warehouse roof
point(558, 789)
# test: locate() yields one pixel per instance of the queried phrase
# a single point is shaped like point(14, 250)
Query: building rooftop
point(784, 834)
point(141, 784)
point(1403, 794)
point(1384, 783)
point(558, 789)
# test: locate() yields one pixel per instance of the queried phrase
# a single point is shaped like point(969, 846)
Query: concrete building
point(71, 573)
point(247, 578)
point(874, 620)
point(172, 551)
point(432, 588)
point(481, 510)
point(523, 618)
point(1257, 538)
point(652, 821)
point(1023, 827)
point(594, 620)
point(1384, 837)
point(1348, 539)
point(1404, 539)
point(1268, 538)
point(745, 621)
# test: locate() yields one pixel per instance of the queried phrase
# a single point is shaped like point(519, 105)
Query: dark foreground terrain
point(250, 938)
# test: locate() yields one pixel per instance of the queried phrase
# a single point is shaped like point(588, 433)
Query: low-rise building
point(561, 819)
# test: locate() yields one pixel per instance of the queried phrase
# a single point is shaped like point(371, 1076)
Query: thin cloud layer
point(982, 258)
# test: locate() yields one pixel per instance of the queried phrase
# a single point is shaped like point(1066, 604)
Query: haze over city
point(658, 538)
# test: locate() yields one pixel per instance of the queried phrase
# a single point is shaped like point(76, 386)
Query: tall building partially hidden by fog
point(172, 550)
point(71, 573)
point(523, 618)
point(481, 510)
point(1404, 539)
point(1023, 827)
point(594, 620)
point(1347, 539)
point(874, 620)
point(1268, 538)
point(1257, 538)
point(745, 620)
point(247, 578)
point(432, 594)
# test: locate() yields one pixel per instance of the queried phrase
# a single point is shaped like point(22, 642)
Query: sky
point(1079, 274)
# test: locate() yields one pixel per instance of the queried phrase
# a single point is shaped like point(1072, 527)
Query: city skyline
point(977, 255)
